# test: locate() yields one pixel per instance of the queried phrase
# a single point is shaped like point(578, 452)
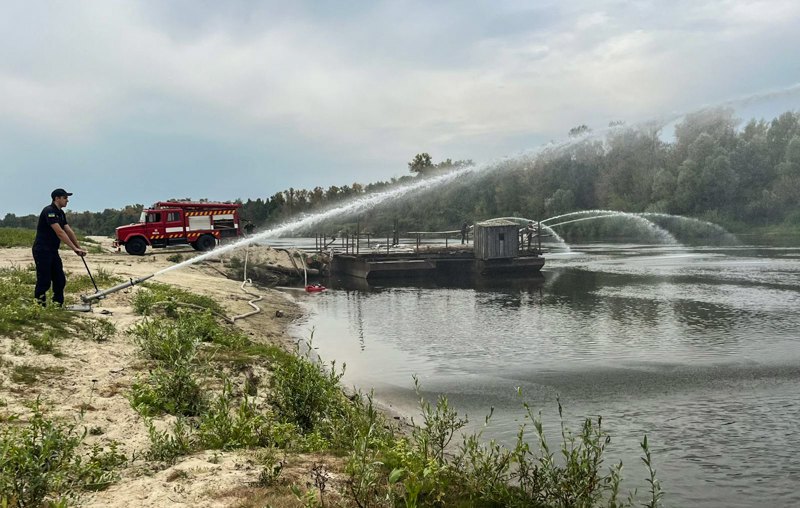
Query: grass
point(154, 295)
point(82, 283)
point(16, 237)
point(21, 237)
point(40, 463)
point(44, 327)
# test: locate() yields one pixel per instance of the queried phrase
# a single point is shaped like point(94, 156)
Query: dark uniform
point(49, 269)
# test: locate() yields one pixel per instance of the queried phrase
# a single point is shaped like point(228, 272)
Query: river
point(697, 347)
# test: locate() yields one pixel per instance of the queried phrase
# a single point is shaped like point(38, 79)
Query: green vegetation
point(21, 237)
point(19, 312)
point(170, 298)
point(22, 316)
point(40, 463)
point(82, 283)
point(16, 237)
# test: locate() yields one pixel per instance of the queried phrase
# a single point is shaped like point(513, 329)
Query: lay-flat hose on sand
point(251, 303)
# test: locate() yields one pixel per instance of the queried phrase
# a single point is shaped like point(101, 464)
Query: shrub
point(415, 469)
point(168, 390)
point(307, 395)
point(165, 340)
point(170, 298)
point(166, 446)
point(100, 330)
point(223, 428)
point(40, 461)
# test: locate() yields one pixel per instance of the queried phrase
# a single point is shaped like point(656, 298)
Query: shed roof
point(497, 222)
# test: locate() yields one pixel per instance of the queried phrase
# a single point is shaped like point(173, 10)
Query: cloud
point(365, 85)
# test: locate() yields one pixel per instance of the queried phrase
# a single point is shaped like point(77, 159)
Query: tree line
point(710, 169)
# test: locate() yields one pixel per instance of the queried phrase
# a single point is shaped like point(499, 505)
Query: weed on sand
point(40, 463)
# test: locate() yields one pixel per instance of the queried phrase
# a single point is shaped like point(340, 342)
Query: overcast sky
point(126, 102)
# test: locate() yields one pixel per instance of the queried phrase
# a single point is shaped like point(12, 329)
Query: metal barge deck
point(458, 263)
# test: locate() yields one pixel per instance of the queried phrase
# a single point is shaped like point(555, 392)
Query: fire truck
point(166, 223)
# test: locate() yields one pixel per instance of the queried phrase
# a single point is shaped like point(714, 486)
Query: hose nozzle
point(119, 287)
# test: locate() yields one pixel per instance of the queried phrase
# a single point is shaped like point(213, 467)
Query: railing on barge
point(348, 243)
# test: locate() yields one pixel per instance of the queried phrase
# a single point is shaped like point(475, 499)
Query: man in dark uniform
point(51, 230)
point(530, 229)
point(248, 227)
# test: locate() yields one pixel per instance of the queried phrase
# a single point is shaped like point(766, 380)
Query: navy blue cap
point(59, 192)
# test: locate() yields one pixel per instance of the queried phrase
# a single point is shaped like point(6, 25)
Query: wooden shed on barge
point(496, 239)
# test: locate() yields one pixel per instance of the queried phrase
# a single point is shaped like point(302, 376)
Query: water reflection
point(696, 347)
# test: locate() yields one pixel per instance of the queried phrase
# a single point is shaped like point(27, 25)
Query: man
point(248, 227)
point(51, 230)
point(530, 229)
point(464, 232)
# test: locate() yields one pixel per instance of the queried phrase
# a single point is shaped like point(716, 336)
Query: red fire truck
point(201, 225)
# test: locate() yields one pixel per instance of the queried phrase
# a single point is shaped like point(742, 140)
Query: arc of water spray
point(601, 214)
point(579, 212)
point(596, 214)
point(364, 202)
point(556, 236)
point(716, 227)
point(374, 199)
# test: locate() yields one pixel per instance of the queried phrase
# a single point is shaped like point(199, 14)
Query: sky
point(133, 102)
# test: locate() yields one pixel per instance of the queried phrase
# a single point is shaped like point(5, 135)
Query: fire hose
point(98, 295)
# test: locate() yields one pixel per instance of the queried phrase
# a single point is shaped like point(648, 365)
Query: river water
point(697, 347)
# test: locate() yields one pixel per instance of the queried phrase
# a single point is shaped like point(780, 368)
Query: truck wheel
point(194, 245)
point(206, 242)
point(135, 247)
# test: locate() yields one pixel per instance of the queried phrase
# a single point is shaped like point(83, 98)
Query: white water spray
point(365, 203)
point(659, 232)
point(522, 221)
point(371, 200)
point(359, 204)
point(716, 229)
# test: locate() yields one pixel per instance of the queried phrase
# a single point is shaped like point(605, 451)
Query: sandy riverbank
point(90, 379)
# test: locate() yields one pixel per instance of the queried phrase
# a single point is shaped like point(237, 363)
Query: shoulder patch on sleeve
point(51, 214)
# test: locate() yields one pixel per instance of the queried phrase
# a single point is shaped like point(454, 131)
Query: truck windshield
point(143, 217)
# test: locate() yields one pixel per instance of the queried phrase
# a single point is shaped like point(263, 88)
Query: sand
point(87, 385)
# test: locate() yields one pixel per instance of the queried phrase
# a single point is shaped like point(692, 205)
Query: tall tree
point(421, 163)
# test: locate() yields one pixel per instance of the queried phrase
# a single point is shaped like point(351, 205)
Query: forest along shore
point(88, 382)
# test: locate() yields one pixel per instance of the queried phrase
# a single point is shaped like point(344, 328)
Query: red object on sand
point(315, 288)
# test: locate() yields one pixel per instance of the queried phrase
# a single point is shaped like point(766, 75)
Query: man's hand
point(79, 251)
